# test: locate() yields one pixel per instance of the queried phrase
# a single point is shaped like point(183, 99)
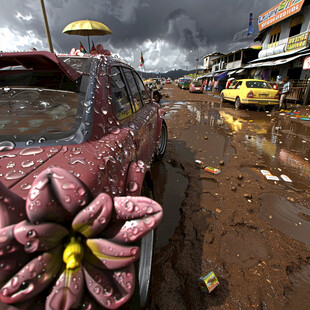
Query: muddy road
point(252, 232)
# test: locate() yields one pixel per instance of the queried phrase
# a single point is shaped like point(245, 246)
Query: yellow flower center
point(73, 253)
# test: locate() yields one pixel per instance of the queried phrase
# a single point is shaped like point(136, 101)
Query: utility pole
point(197, 59)
point(47, 30)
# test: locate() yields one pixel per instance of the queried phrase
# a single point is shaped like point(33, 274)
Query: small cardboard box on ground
point(208, 282)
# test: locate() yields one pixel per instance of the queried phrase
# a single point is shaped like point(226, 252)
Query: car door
point(235, 92)
point(143, 123)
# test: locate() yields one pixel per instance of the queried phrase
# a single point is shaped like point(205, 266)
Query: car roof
point(37, 61)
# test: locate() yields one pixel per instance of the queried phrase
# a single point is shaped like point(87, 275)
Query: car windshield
point(258, 84)
point(196, 84)
point(40, 103)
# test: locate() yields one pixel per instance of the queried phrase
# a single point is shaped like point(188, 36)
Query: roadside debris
point(286, 178)
point(267, 174)
point(208, 282)
point(199, 162)
point(212, 170)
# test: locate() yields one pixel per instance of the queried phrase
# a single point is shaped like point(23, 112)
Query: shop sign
point(296, 42)
point(306, 65)
point(279, 12)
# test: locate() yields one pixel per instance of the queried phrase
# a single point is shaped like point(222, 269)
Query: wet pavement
point(169, 185)
point(282, 143)
point(211, 132)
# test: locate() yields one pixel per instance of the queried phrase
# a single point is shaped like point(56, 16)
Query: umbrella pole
point(88, 44)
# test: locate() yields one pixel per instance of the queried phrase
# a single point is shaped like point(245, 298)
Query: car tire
point(223, 98)
point(162, 142)
point(237, 103)
point(144, 266)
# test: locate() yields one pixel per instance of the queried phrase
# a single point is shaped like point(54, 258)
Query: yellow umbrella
point(87, 28)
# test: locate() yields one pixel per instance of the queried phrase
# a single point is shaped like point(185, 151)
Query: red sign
point(306, 65)
point(279, 12)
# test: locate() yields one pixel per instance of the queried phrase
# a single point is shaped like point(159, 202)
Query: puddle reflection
point(169, 191)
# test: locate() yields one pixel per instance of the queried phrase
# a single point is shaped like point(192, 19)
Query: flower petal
point(68, 291)
point(12, 256)
point(110, 289)
point(8, 243)
point(12, 207)
point(112, 255)
point(56, 195)
point(41, 237)
point(10, 263)
point(92, 220)
point(33, 278)
point(142, 214)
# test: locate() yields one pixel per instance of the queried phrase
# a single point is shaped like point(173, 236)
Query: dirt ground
point(222, 226)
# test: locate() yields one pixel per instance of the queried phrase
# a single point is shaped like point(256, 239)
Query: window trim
point(129, 89)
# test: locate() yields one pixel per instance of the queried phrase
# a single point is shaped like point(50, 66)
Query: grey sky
point(168, 32)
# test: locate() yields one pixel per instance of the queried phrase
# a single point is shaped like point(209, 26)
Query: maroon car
point(195, 87)
point(77, 138)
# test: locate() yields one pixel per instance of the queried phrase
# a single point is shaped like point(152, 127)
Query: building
point(208, 61)
point(284, 36)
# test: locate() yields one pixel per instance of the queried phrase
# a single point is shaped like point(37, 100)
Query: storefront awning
point(240, 70)
point(271, 63)
point(221, 76)
point(231, 72)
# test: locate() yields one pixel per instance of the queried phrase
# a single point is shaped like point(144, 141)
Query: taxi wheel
point(237, 103)
point(162, 142)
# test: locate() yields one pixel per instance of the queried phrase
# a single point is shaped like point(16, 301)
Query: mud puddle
point(283, 145)
point(290, 218)
point(208, 135)
point(299, 295)
point(169, 190)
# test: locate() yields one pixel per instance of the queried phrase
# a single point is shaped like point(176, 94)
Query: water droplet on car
point(42, 140)
point(13, 175)
point(6, 146)
point(74, 161)
point(27, 163)
point(31, 151)
point(30, 141)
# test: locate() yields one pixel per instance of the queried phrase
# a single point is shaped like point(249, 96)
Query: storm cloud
point(169, 33)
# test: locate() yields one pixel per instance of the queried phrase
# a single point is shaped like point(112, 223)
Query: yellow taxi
point(251, 91)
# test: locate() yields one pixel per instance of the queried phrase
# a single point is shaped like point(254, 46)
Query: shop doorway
point(294, 73)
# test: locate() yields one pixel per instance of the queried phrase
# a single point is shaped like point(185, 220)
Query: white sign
point(306, 65)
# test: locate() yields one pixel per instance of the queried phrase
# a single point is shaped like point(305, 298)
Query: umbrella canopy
point(87, 28)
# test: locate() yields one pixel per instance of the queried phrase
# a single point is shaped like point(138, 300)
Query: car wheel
point(223, 98)
point(146, 256)
point(162, 142)
point(237, 103)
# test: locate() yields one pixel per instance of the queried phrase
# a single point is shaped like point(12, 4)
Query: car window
point(134, 89)
point(258, 84)
point(120, 98)
point(39, 103)
point(141, 87)
point(238, 85)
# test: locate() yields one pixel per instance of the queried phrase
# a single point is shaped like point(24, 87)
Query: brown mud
point(253, 233)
